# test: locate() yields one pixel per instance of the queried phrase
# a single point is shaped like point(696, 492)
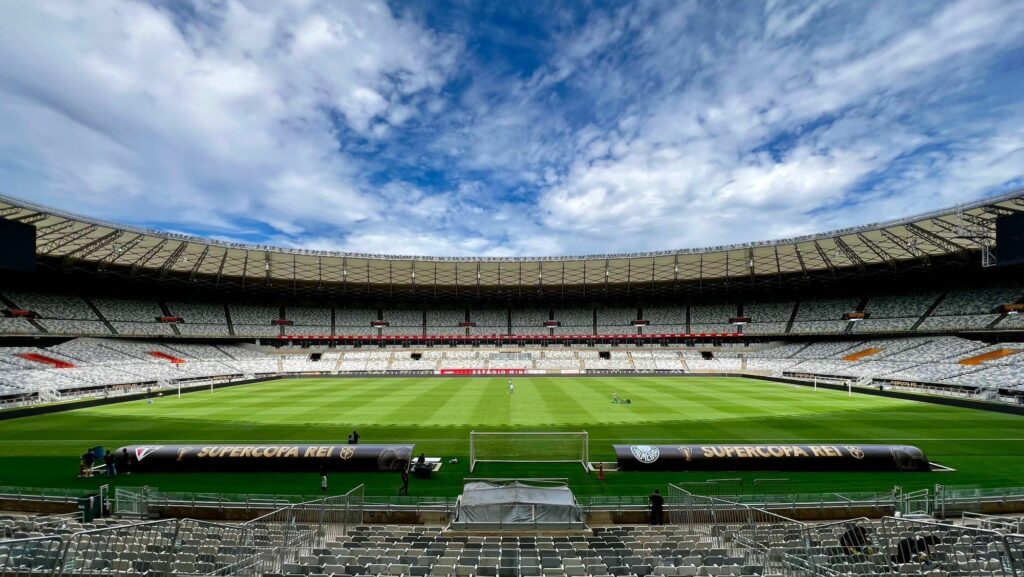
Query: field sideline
point(437, 413)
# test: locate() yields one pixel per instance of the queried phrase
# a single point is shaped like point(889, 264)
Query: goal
point(528, 447)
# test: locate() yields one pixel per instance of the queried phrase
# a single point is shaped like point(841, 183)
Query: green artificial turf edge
point(437, 414)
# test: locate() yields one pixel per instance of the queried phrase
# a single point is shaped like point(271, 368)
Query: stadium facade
point(963, 237)
point(921, 304)
point(921, 301)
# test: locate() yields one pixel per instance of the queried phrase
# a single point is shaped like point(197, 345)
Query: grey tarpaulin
point(515, 504)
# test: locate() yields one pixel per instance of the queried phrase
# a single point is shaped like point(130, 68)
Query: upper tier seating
point(53, 306)
point(528, 318)
point(825, 309)
point(616, 316)
point(16, 326)
point(136, 311)
point(711, 314)
point(662, 317)
point(582, 318)
point(199, 313)
point(490, 318)
point(354, 321)
point(444, 318)
point(404, 318)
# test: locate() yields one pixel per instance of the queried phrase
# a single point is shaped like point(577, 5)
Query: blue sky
point(508, 128)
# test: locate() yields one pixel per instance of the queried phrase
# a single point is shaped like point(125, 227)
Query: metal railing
point(857, 546)
point(31, 556)
point(189, 546)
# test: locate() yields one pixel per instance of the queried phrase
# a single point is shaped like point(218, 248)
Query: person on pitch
point(404, 489)
point(511, 387)
point(615, 398)
point(323, 476)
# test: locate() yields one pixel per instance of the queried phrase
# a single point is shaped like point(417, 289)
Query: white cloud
point(120, 111)
point(654, 126)
point(690, 170)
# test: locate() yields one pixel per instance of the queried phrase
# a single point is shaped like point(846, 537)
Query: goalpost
point(528, 447)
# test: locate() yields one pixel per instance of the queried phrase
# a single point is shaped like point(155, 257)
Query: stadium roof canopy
point(67, 240)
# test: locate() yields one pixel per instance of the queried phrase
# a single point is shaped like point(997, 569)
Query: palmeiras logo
point(183, 452)
point(142, 452)
point(855, 451)
point(645, 453)
point(347, 452)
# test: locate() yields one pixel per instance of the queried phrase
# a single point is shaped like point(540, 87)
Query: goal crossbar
point(528, 447)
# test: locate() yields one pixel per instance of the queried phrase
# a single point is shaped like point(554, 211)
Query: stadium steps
point(281, 315)
point(226, 352)
point(99, 315)
point(167, 313)
point(863, 304)
point(11, 305)
point(860, 308)
point(1000, 318)
point(995, 322)
point(227, 315)
point(792, 317)
point(930, 310)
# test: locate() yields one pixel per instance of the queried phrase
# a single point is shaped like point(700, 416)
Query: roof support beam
point(32, 217)
point(907, 247)
point(824, 257)
point(199, 262)
point(119, 250)
point(245, 268)
point(1001, 210)
point(5, 212)
point(220, 269)
point(934, 239)
point(61, 242)
point(94, 245)
point(946, 226)
point(849, 252)
point(52, 229)
point(989, 224)
point(800, 259)
point(879, 252)
point(145, 258)
point(167, 264)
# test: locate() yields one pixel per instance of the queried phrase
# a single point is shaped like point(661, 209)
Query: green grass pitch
point(437, 413)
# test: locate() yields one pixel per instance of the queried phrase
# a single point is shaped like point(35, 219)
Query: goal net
point(528, 447)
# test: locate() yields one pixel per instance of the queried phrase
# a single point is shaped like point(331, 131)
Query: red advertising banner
point(483, 371)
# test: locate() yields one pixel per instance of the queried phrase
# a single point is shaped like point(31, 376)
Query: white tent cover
point(517, 502)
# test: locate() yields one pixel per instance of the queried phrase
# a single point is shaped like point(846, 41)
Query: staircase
point(930, 310)
point(167, 313)
point(49, 395)
point(99, 315)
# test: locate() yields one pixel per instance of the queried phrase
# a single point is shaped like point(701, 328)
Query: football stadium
point(468, 289)
point(777, 395)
